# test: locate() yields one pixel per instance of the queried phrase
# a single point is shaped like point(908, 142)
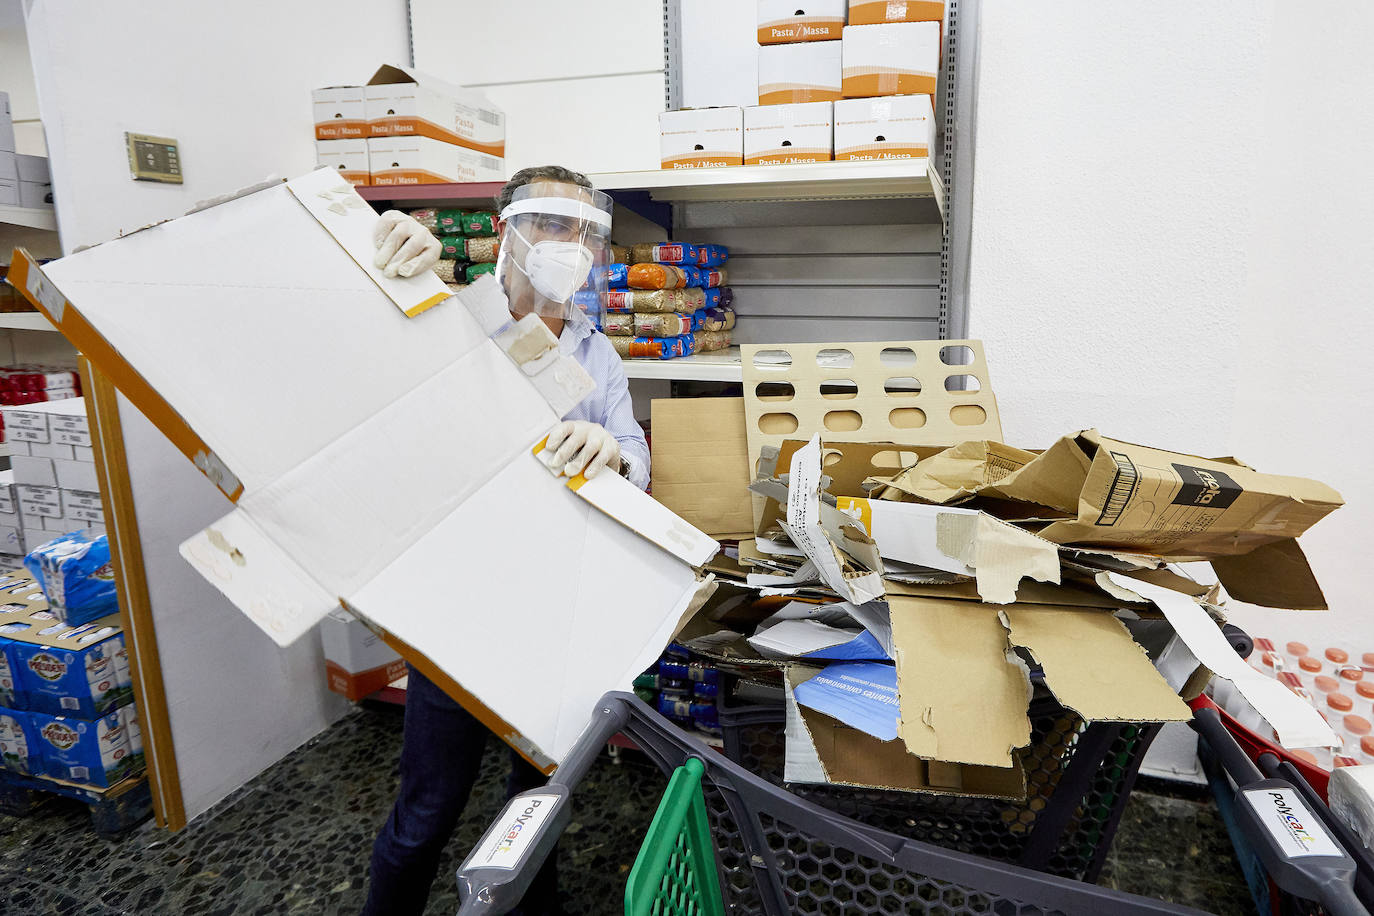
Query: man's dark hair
point(537, 173)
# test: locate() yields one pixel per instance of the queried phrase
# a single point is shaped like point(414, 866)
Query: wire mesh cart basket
point(774, 852)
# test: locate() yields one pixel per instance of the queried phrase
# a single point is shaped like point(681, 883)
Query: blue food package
point(78, 671)
point(76, 577)
point(679, 253)
point(713, 296)
point(11, 692)
point(696, 277)
point(712, 255)
point(617, 276)
point(95, 752)
point(19, 750)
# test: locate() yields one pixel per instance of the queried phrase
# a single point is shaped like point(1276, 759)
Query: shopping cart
point(1297, 858)
point(1079, 776)
point(776, 853)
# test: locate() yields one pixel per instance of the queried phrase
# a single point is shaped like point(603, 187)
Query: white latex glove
point(404, 247)
point(580, 447)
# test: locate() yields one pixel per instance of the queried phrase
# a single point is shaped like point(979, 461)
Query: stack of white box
point(52, 487)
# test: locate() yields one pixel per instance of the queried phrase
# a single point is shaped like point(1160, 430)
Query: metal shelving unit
point(29, 217)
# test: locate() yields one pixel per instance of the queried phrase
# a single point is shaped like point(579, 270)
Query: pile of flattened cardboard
point(916, 589)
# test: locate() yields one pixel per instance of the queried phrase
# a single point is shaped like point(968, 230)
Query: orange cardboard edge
point(26, 276)
point(498, 726)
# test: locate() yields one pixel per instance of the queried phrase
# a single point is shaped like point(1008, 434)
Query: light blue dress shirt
point(609, 404)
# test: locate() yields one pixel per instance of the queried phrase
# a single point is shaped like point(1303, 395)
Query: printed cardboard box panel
point(807, 72)
point(820, 749)
point(12, 694)
point(700, 466)
point(388, 556)
point(701, 138)
point(784, 21)
point(44, 502)
point(20, 751)
point(94, 752)
point(894, 127)
point(1116, 496)
point(340, 113)
point(6, 124)
point(50, 450)
point(357, 661)
point(423, 160)
point(896, 59)
point(63, 677)
point(876, 12)
point(403, 101)
point(348, 157)
point(779, 134)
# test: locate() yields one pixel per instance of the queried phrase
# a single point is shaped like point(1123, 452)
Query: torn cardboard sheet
point(998, 471)
point(961, 541)
point(1093, 665)
point(370, 486)
point(963, 691)
point(821, 749)
point(1295, 721)
point(811, 639)
point(804, 513)
point(834, 614)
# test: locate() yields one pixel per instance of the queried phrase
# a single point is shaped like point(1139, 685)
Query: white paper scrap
point(1297, 723)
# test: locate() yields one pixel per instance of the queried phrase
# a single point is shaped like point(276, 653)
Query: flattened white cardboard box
point(316, 521)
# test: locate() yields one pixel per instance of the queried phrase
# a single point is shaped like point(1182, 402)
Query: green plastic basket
point(675, 872)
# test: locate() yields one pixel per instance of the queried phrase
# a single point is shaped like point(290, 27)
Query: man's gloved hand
point(580, 447)
point(404, 247)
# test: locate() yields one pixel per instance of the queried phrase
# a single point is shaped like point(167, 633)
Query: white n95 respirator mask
point(554, 245)
point(556, 270)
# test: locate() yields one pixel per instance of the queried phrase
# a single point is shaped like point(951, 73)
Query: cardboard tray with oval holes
point(918, 392)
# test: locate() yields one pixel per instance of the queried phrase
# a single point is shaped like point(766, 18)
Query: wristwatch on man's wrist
point(624, 467)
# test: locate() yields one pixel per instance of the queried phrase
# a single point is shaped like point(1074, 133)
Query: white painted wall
point(1171, 227)
point(232, 83)
point(16, 78)
point(581, 83)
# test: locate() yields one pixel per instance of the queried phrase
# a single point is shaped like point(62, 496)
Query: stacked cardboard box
point(51, 487)
point(9, 166)
point(826, 90)
point(904, 570)
point(66, 693)
point(407, 127)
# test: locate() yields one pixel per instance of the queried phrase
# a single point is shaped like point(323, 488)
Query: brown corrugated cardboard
point(867, 392)
point(822, 749)
point(956, 666)
point(700, 466)
point(1185, 507)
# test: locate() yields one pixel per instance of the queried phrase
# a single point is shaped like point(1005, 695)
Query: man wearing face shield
point(554, 231)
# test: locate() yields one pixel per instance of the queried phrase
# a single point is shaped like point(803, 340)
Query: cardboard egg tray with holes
point(917, 392)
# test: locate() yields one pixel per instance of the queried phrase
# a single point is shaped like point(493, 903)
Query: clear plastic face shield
point(555, 242)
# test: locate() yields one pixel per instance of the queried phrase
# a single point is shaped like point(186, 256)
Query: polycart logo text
point(1295, 827)
point(47, 667)
point(517, 827)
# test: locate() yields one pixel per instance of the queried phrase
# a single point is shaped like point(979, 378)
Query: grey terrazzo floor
point(297, 839)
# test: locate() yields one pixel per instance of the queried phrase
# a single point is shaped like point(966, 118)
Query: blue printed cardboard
point(862, 695)
point(11, 694)
point(65, 670)
point(19, 749)
point(93, 752)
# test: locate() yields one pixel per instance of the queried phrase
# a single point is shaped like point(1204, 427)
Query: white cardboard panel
point(433, 492)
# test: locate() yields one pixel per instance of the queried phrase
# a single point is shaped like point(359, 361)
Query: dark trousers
point(441, 758)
